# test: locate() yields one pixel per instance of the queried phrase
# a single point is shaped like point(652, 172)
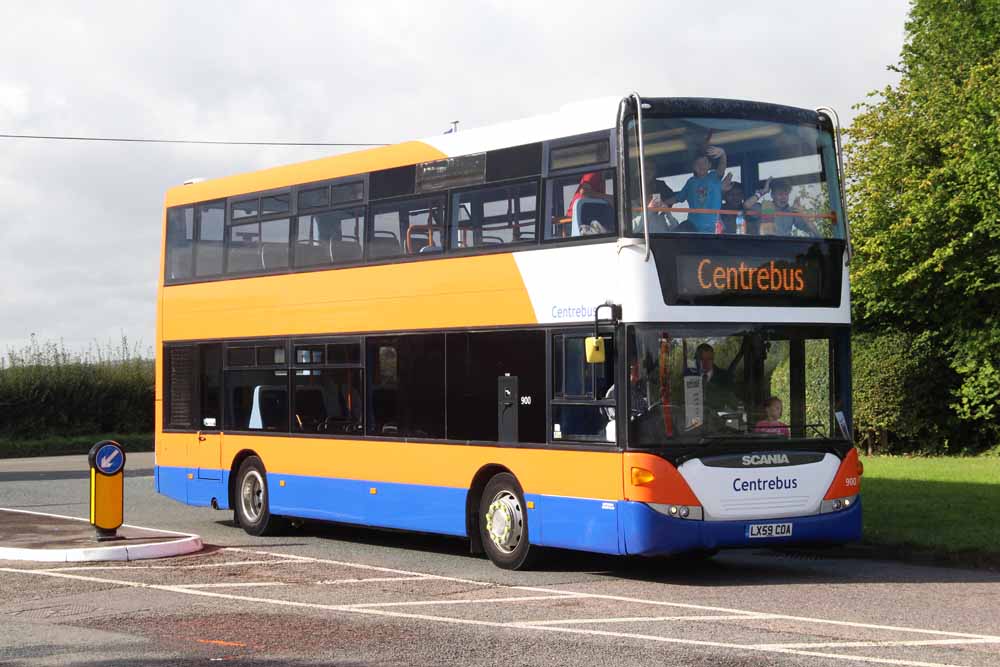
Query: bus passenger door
point(205, 447)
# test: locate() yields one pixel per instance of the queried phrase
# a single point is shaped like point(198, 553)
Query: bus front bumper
point(649, 533)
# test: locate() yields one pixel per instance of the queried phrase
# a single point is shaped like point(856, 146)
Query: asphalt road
point(328, 594)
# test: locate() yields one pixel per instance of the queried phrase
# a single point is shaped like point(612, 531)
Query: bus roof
point(572, 119)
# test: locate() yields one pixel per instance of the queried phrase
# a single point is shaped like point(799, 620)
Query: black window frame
point(296, 267)
point(195, 275)
point(496, 248)
point(167, 254)
point(583, 238)
point(515, 165)
point(552, 401)
point(404, 255)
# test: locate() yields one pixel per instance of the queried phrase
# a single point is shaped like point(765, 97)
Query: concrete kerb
point(163, 547)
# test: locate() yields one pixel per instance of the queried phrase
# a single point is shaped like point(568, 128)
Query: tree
point(924, 183)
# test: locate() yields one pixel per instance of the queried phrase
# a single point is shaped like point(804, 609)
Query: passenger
point(773, 423)
point(733, 200)
point(782, 225)
point(661, 220)
point(704, 189)
point(591, 185)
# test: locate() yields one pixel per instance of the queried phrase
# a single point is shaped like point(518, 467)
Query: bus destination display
point(751, 272)
point(705, 274)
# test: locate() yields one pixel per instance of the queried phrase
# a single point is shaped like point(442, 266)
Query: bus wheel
point(503, 523)
point(252, 513)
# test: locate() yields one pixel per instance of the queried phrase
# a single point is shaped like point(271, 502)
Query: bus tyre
point(251, 506)
point(503, 523)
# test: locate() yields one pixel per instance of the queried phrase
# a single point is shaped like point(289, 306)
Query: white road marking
point(421, 603)
point(622, 598)
point(877, 643)
point(649, 619)
point(334, 582)
point(234, 563)
point(494, 624)
point(235, 584)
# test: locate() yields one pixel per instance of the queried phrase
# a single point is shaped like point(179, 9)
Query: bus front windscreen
point(734, 176)
point(768, 384)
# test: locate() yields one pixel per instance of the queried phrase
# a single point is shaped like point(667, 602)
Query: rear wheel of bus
point(251, 505)
point(503, 523)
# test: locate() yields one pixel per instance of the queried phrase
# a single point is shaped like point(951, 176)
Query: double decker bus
point(623, 327)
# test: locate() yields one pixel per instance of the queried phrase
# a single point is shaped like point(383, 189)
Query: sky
point(80, 222)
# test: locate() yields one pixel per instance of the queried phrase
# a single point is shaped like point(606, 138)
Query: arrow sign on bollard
point(107, 488)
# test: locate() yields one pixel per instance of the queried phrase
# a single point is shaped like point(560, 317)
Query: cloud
point(80, 222)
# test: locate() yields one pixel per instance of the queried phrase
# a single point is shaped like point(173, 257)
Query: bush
point(902, 395)
point(46, 391)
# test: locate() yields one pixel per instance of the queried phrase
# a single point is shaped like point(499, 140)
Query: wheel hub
point(252, 496)
point(505, 521)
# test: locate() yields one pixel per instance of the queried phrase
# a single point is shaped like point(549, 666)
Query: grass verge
point(79, 444)
point(942, 508)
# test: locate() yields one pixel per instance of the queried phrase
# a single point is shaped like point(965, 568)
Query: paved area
point(23, 530)
point(327, 594)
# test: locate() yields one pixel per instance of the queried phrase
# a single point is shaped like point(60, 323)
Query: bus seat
point(384, 246)
point(274, 256)
point(209, 254)
point(587, 211)
point(345, 251)
point(311, 253)
point(419, 237)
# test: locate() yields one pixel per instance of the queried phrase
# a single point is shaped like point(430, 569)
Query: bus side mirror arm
point(594, 345)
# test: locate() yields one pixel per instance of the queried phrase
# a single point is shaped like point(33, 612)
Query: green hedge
point(48, 393)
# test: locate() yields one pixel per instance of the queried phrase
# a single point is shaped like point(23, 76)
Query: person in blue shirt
point(704, 189)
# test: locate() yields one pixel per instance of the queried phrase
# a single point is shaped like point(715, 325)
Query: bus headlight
point(837, 504)
point(690, 512)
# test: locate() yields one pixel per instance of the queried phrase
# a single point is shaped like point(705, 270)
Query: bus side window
point(493, 216)
point(583, 395)
point(579, 205)
point(211, 232)
point(406, 386)
point(180, 243)
point(407, 227)
point(257, 400)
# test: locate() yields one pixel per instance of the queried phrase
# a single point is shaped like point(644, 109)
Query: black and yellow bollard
point(107, 488)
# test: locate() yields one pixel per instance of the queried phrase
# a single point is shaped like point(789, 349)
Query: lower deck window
point(257, 400)
point(328, 400)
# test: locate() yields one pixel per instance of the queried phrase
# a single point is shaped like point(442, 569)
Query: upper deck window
point(208, 248)
point(453, 172)
point(180, 243)
point(330, 237)
point(711, 175)
point(494, 216)
point(407, 227)
point(580, 204)
point(580, 154)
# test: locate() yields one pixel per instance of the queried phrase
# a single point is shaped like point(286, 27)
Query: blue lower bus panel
point(433, 509)
point(649, 533)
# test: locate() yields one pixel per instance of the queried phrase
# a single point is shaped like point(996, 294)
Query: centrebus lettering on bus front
point(528, 338)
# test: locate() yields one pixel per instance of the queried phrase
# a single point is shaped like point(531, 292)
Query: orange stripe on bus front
point(348, 164)
point(458, 292)
point(578, 474)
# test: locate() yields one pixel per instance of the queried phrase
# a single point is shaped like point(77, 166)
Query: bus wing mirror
point(595, 350)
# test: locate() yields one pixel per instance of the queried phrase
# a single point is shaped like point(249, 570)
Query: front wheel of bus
point(503, 523)
point(251, 506)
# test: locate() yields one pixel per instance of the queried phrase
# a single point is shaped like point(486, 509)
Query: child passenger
point(773, 423)
point(704, 189)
